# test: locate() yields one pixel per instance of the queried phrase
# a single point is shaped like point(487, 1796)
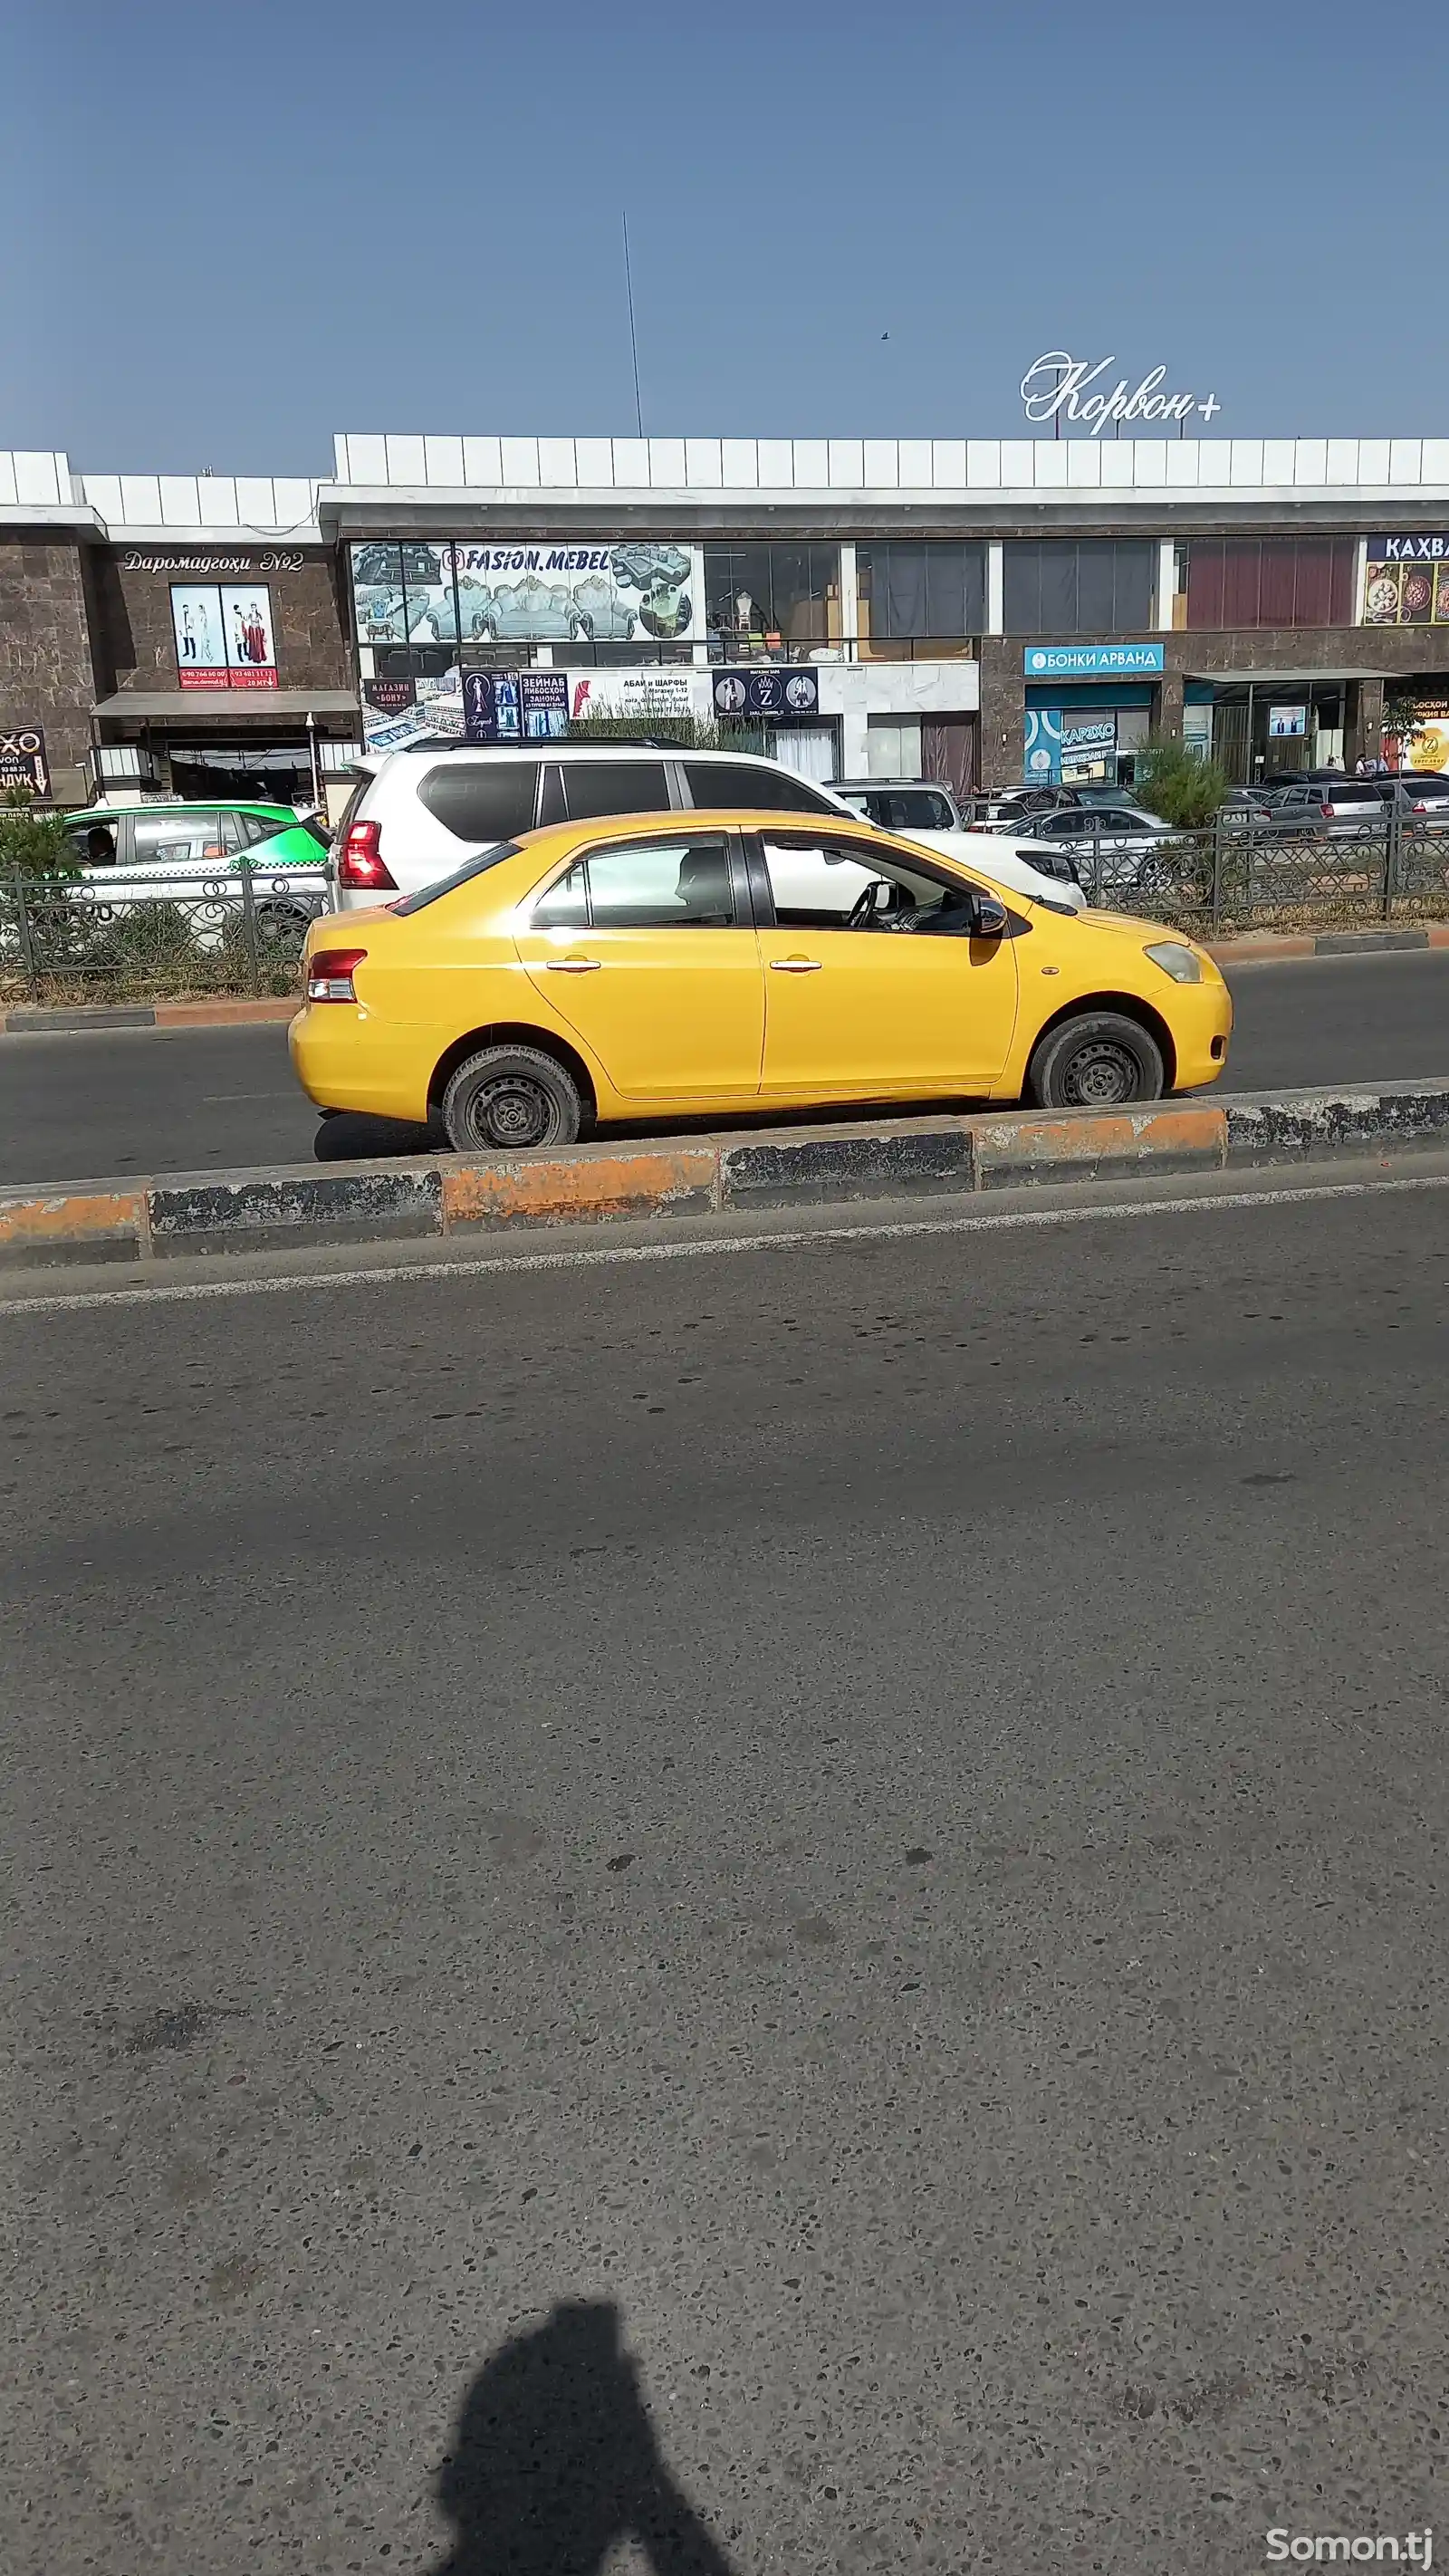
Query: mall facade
point(973, 610)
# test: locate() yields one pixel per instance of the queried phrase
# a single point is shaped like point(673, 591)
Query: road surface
point(79, 1108)
point(791, 1901)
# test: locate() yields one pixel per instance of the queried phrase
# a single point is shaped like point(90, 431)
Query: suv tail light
point(1419, 805)
point(329, 974)
point(1325, 809)
point(361, 864)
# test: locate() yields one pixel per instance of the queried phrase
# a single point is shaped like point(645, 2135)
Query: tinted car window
point(905, 809)
point(481, 800)
point(614, 787)
point(761, 790)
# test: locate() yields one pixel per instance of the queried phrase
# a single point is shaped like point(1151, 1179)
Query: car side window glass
point(566, 904)
point(679, 884)
point(551, 806)
point(752, 785)
point(481, 800)
point(171, 839)
point(598, 787)
point(821, 885)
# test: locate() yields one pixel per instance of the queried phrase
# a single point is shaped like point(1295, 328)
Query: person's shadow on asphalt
point(555, 2462)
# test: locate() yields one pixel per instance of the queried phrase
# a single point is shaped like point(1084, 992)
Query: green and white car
point(196, 857)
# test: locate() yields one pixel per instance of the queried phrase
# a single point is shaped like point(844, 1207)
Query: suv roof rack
point(544, 743)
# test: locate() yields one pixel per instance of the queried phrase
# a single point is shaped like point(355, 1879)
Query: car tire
point(511, 1100)
point(1099, 1060)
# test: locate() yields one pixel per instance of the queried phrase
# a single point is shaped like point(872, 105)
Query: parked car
point(417, 814)
point(902, 804)
point(191, 855)
point(1419, 798)
point(1334, 807)
point(1129, 850)
point(713, 962)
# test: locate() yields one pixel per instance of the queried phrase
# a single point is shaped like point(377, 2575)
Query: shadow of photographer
point(555, 2462)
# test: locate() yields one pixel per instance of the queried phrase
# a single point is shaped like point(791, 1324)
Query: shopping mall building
point(976, 610)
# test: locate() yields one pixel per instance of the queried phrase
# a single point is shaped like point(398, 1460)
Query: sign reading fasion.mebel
point(1056, 387)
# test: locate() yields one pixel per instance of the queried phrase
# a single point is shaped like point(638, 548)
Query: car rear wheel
point(1097, 1061)
point(511, 1100)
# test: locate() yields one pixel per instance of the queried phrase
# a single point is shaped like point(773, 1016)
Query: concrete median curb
point(148, 1221)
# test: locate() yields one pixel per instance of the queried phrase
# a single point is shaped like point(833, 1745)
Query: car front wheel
point(1097, 1061)
point(511, 1100)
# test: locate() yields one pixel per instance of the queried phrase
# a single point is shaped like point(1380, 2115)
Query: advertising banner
point(643, 695)
point(536, 591)
point(1286, 721)
point(223, 635)
point(1043, 746)
point(1092, 661)
point(22, 760)
point(491, 710)
point(1089, 747)
point(782, 696)
point(1407, 583)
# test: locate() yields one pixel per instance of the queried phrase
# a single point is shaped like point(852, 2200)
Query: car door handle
point(573, 965)
point(794, 965)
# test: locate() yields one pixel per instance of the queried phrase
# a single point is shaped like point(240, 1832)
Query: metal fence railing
point(1264, 875)
point(108, 932)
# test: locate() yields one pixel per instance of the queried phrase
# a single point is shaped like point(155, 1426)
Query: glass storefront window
point(1270, 581)
point(928, 590)
point(1091, 586)
point(765, 600)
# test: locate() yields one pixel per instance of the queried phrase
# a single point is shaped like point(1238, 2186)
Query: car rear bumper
point(344, 1058)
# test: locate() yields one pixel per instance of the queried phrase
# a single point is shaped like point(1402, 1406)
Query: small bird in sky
point(885, 335)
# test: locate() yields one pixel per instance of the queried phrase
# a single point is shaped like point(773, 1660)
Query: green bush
point(33, 843)
point(691, 733)
point(1173, 782)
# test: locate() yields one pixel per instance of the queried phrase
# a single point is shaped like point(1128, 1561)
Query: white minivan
point(417, 815)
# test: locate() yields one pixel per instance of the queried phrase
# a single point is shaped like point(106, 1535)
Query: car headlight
point(1176, 959)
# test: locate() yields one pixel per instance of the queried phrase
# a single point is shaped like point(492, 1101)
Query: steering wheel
point(862, 911)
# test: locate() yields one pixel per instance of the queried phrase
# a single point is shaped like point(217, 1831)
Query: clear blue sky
point(228, 232)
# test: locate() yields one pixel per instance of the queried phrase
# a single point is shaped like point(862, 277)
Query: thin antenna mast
point(633, 342)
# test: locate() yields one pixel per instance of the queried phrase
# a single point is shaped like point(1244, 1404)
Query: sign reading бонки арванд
point(1055, 387)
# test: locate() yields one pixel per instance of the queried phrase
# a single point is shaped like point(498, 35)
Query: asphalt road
point(862, 1825)
point(77, 1108)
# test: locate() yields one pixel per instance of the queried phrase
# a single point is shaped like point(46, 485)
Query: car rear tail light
point(361, 864)
point(1326, 809)
point(329, 974)
point(1420, 807)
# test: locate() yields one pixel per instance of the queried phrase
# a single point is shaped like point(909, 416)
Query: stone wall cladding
point(135, 647)
point(46, 676)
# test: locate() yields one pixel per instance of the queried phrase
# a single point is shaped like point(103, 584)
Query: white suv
point(418, 815)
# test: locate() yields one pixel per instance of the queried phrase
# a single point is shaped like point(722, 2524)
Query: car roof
point(180, 805)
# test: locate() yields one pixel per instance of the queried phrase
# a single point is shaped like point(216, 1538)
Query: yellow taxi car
point(667, 965)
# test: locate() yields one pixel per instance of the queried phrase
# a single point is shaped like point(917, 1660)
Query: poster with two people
point(223, 635)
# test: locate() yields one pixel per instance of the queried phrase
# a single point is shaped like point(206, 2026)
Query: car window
point(481, 800)
point(597, 787)
point(174, 836)
point(669, 884)
point(906, 809)
point(816, 884)
point(754, 785)
point(477, 866)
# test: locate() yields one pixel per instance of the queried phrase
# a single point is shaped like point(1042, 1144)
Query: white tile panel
point(1436, 460)
point(882, 464)
point(1149, 464)
point(1310, 461)
point(38, 477)
point(557, 465)
point(1406, 460)
point(180, 501)
point(631, 464)
point(218, 501)
point(1278, 462)
point(594, 463)
point(915, 464)
point(983, 464)
point(1247, 461)
point(846, 465)
point(812, 465)
point(1341, 465)
point(140, 498)
point(1214, 463)
point(1018, 469)
point(703, 468)
point(1182, 464)
point(1084, 463)
point(666, 463)
point(948, 464)
point(520, 460)
point(406, 458)
point(1049, 464)
point(1373, 461)
point(1116, 456)
point(443, 462)
point(739, 465)
point(366, 459)
point(294, 502)
point(255, 501)
point(482, 463)
point(103, 492)
point(7, 481)
point(777, 463)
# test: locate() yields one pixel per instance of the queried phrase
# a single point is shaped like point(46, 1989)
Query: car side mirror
point(991, 920)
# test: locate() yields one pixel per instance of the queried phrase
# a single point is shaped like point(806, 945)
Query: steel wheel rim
point(1103, 1074)
point(512, 1112)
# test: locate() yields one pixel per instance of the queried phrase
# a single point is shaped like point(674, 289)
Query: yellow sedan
point(671, 965)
